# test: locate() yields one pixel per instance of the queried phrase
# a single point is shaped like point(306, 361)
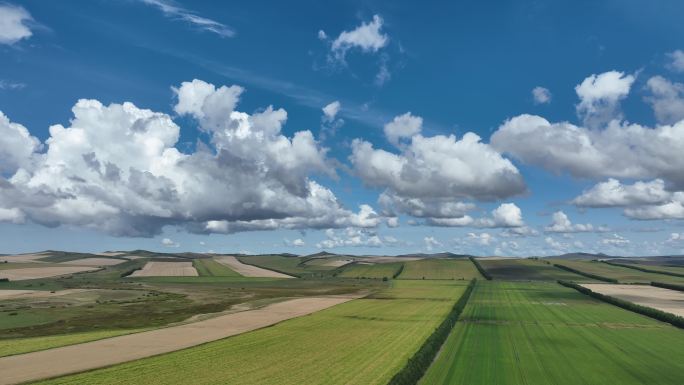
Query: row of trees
point(644, 310)
point(645, 270)
point(399, 270)
point(670, 286)
point(480, 269)
point(418, 364)
point(588, 275)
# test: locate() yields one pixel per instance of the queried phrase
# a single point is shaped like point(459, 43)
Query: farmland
point(366, 342)
point(366, 270)
point(622, 274)
point(542, 333)
point(521, 327)
point(526, 270)
point(208, 267)
point(435, 268)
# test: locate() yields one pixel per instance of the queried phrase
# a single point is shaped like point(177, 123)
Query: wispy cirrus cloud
point(172, 10)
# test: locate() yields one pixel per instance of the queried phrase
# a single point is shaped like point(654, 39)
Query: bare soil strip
point(91, 355)
point(110, 254)
point(670, 301)
point(42, 272)
point(166, 269)
point(94, 262)
point(23, 258)
point(13, 294)
point(249, 270)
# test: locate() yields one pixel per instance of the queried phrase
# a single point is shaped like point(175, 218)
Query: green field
point(362, 342)
point(543, 333)
point(434, 268)
point(514, 269)
point(207, 267)
point(376, 271)
point(622, 274)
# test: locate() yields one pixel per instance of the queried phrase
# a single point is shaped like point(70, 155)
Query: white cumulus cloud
point(115, 168)
point(367, 37)
point(600, 96)
point(403, 126)
point(14, 23)
point(667, 99)
point(562, 224)
point(541, 95)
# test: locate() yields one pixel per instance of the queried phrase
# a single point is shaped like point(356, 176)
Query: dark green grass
point(374, 271)
point(207, 267)
point(515, 269)
point(437, 268)
point(543, 333)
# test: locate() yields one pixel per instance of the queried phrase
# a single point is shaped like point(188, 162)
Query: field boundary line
point(656, 314)
point(588, 275)
point(639, 268)
point(481, 269)
point(295, 275)
point(670, 286)
point(418, 364)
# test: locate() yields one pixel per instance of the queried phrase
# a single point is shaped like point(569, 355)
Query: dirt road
point(110, 351)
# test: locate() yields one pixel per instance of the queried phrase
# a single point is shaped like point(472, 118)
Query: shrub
point(643, 310)
point(399, 270)
point(479, 268)
point(417, 365)
point(670, 286)
point(588, 275)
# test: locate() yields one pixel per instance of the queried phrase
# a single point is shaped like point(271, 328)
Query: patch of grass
point(517, 269)
point(363, 342)
point(543, 333)
point(374, 271)
point(207, 267)
point(434, 268)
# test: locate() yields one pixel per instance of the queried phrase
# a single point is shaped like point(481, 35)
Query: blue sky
point(588, 164)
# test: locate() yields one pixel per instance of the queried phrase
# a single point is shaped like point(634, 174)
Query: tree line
point(479, 267)
point(588, 275)
point(417, 365)
point(670, 286)
point(645, 270)
point(643, 310)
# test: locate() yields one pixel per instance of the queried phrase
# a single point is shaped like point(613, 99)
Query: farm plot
point(515, 269)
point(70, 359)
point(543, 333)
point(210, 268)
point(40, 271)
point(249, 270)
point(669, 301)
point(364, 341)
point(376, 271)
point(95, 262)
point(21, 258)
point(287, 265)
point(166, 269)
point(461, 269)
point(622, 274)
